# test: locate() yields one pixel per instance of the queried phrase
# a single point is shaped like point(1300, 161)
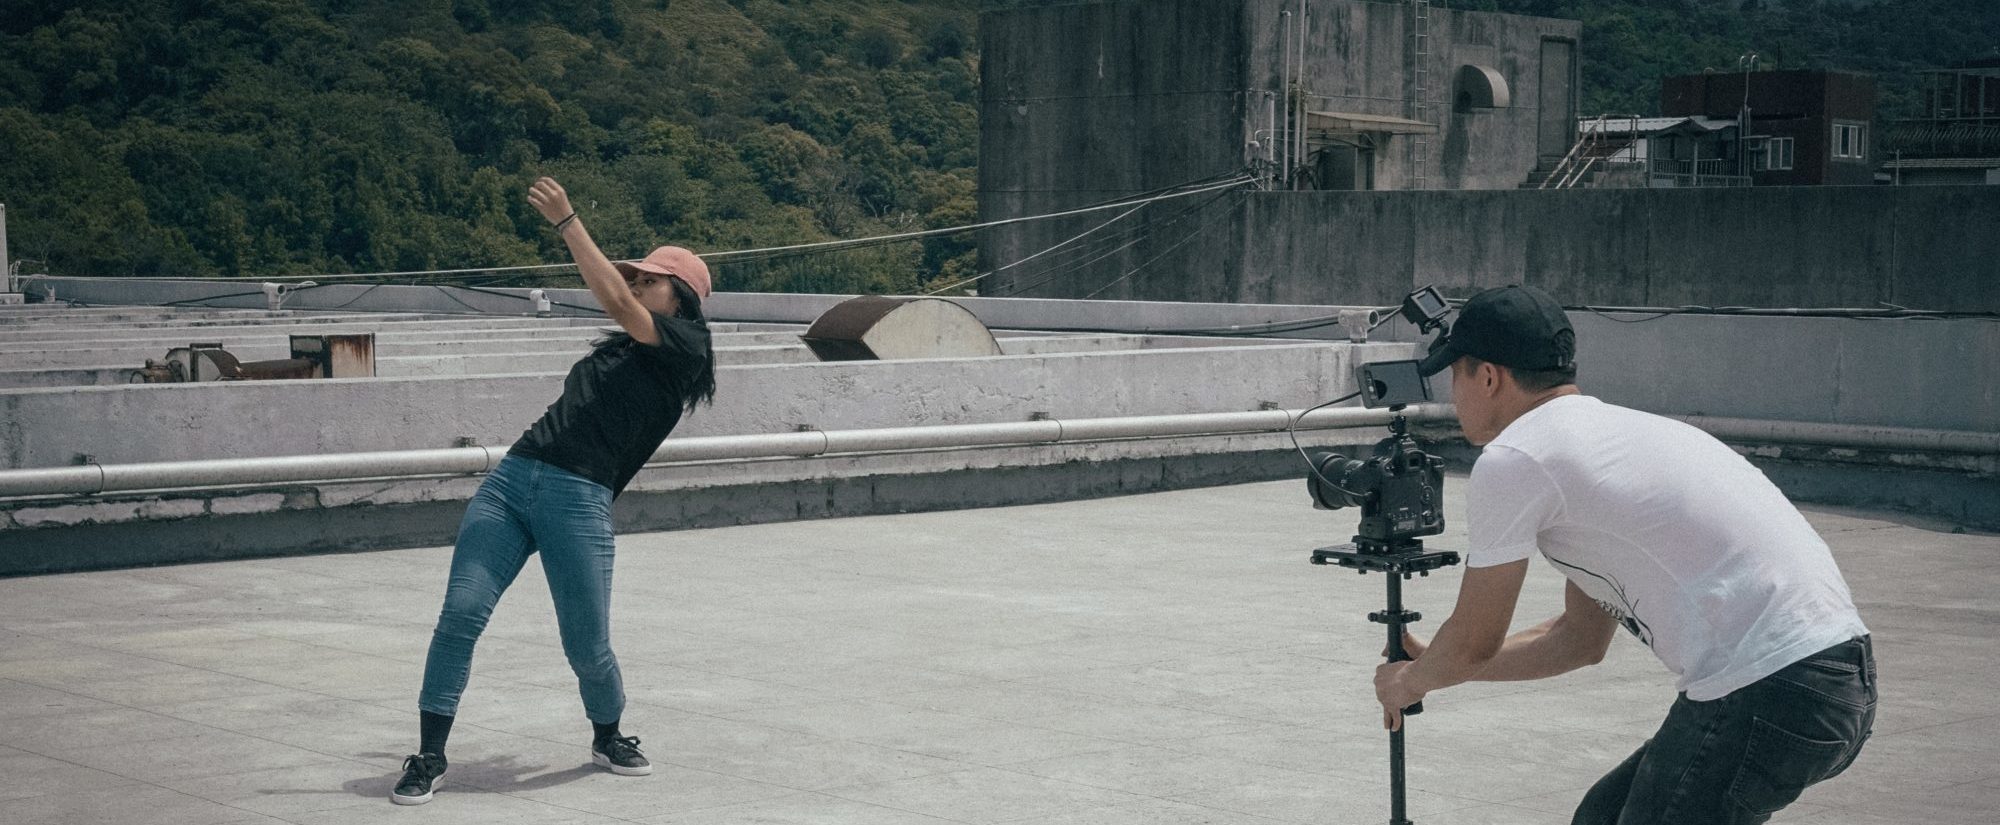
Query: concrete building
point(1084, 101)
point(1093, 102)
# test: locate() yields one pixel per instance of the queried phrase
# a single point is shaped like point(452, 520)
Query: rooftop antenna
point(1747, 62)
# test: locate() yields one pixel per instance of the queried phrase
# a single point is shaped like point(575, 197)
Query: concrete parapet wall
point(1941, 375)
point(74, 354)
point(59, 535)
point(1911, 373)
point(168, 422)
point(396, 356)
point(1820, 246)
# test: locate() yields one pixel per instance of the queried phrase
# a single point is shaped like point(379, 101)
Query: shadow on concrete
point(495, 774)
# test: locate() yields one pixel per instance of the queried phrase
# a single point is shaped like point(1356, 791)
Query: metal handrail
point(1573, 150)
point(1575, 165)
point(94, 479)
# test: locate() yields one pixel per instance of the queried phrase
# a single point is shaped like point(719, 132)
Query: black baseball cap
point(1513, 326)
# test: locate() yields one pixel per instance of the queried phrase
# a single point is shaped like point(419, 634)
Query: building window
point(1847, 141)
point(1774, 156)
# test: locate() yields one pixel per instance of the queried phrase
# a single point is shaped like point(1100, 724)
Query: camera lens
point(1339, 481)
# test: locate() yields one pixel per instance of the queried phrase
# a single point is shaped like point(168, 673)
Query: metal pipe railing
point(1859, 436)
point(93, 479)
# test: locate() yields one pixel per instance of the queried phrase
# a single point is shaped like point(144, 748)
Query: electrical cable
point(741, 256)
point(1139, 234)
point(455, 299)
point(1141, 199)
point(1292, 430)
point(1135, 235)
point(925, 233)
point(1210, 224)
point(1847, 313)
point(352, 301)
point(552, 302)
point(193, 301)
point(1037, 255)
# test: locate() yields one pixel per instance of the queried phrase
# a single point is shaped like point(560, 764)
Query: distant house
point(1625, 151)
point(1957, 141)
point(1792, 128)
point(1804, 128)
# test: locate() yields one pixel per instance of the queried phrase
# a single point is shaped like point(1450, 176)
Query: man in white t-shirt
point(1666, 531)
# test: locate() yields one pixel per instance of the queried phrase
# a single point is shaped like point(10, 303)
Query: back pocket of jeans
point(1778, 765)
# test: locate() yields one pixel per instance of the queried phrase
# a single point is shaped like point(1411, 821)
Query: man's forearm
point(1547, 649)
point(1450, 660)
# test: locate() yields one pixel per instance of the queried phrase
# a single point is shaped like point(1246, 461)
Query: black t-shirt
point(618, 404)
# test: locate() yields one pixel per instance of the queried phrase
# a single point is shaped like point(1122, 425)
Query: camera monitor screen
point(1426, 308)
point(1391, 383)
point(1429, 301)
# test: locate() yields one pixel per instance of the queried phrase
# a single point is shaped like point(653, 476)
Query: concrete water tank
point(877, 328)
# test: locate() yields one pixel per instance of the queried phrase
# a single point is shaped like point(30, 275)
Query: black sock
point(605, 732)
point(436, 728)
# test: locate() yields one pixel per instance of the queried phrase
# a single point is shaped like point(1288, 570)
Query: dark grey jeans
point(1740, 758)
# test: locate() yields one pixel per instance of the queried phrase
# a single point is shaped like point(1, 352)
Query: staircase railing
point(1588, 151)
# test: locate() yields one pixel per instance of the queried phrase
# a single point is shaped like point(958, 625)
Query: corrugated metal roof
point(1943, 163)
point(1653, 125)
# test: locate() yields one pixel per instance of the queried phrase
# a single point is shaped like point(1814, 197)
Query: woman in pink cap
point(552, 493)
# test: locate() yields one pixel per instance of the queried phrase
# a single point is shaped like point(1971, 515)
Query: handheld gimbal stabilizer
point(1400, 490)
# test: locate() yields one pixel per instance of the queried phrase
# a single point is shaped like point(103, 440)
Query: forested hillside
point(270, 137)
point(296, 137)
point(1628, 45)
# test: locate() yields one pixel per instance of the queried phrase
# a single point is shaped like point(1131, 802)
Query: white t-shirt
point(1691, 547)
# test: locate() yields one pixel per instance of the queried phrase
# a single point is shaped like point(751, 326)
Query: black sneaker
point(420, 778)
point(621, 756)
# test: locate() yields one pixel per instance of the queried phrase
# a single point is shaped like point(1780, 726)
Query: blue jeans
point(526, 506)
point(1741, 758)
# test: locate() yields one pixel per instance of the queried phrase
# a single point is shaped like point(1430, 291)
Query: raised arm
point(605, 283)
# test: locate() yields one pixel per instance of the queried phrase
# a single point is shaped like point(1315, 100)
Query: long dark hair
point(699, 388)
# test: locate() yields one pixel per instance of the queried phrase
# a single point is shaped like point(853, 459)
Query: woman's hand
point(548, 198)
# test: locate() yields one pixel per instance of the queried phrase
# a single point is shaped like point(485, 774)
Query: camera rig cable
point(1293, 431)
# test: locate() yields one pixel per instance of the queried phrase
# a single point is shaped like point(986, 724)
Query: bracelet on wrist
point(561, 224)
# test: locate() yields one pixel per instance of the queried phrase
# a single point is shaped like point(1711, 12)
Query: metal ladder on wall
point(1420, 91)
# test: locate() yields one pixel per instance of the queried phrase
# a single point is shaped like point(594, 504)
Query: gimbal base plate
point(1408, 560)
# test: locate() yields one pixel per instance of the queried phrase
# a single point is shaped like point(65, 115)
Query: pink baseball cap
point(671, 260)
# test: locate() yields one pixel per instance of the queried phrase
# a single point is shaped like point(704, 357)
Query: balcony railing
point(1672, 172)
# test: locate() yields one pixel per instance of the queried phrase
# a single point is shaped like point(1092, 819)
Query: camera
point(1400, 490)
point(1398, 486)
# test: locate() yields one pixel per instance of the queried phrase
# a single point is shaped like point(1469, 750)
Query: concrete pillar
point(10, 292)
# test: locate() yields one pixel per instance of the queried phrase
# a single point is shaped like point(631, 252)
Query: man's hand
point(548, 198)
point(1411, 644)
point(1394, 694)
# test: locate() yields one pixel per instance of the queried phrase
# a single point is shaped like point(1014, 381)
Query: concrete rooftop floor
point(1160, 659)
